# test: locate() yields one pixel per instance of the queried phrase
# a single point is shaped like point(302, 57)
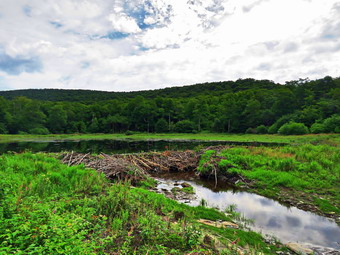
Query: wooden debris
point(299, 249)
point(134, 166)
point(218, 224)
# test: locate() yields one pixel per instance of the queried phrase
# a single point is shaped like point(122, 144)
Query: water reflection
point(113, 146)
point(270, 217)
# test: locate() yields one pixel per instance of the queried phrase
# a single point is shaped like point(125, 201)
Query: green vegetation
point(259, 106)
point(293, 128)
point(293, 139)
point(308, 171)
point(49, 208)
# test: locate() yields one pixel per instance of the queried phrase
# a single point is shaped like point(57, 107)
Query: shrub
point(332, 124)
point(251, 131)
point(129, 132)
point(39, 131)
point(184, 126)
point(317, 128)
point(293, 128)
point(273, 129)
point(261, 129)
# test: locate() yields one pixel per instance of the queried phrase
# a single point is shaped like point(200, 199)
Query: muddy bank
point(139, 166)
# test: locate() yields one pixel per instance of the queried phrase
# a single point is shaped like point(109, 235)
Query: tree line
point(243, 106)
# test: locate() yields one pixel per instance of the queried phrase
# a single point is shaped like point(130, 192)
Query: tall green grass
point(49, 208)
point(308, 168)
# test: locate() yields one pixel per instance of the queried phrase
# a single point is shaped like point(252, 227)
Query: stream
point(288, 224)
point(116, 146)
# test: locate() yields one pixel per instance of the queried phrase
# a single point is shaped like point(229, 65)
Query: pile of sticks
point(112, 167)
point(134, 167)
point(167, 161)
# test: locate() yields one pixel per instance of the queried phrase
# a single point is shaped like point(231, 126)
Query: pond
point(115, 146)
point(269, 216)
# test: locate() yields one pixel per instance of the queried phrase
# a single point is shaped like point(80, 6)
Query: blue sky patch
point(114, 35)
point(139, 14)
point(85, 65)
point(56, 24)
point(3, 84)
point(27, 10)
point(18, 65)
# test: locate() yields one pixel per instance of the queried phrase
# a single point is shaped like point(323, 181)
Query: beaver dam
point(171, 169)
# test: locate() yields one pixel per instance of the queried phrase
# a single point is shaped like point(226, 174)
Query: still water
point(270, 217)
point(114, 146)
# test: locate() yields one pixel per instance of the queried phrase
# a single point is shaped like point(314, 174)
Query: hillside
point(213, 88)
point(248, 105)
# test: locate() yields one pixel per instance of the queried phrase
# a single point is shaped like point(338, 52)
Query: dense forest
point(243, 106)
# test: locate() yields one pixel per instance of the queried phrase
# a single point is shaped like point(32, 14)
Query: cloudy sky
point(119, 45)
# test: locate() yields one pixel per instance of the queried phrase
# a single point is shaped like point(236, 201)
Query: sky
point(118, 45)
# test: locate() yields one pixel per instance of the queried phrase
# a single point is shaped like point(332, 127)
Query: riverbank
point(294, 139)
point(306, 176)
point(49, 207)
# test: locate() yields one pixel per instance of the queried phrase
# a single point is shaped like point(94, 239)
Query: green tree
point(161, 126)
point(184, 126)
point(57, 119)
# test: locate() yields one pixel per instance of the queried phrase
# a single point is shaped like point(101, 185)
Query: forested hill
point(247, 105)
point(213, 88)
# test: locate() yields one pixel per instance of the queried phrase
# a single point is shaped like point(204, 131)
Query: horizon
point(130, 46)
point(173, 86)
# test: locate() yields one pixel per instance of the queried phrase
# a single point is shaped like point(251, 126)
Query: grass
point(309, 171)
point(49, 208)
point(312, 138)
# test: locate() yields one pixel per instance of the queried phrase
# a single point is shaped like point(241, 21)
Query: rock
point(175, 190)
point(299, 249)
point(185, 184)
point(221, 224)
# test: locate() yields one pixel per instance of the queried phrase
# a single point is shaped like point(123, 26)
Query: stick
point(69, 162)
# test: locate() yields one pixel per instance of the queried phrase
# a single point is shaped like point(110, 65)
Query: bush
point(317, 128)
point(273, 129)
point(184, 126)
point(332, 124)
point(251, 131)
point(129, 132)
point(293, 128)
point(261, 129)
point(39, 131)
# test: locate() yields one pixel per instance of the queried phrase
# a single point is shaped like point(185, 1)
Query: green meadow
point(307, 172)
point(50, 208)
point(265, 138)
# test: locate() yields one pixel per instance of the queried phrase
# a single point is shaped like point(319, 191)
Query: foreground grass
point(308, 173)
point(312, 138)
point(49, 208)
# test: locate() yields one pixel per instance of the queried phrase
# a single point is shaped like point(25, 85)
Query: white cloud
point(123, 23)
point(139, 44)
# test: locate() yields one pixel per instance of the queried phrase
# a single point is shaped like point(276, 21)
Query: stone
point(299, 249)
point(185, 184)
